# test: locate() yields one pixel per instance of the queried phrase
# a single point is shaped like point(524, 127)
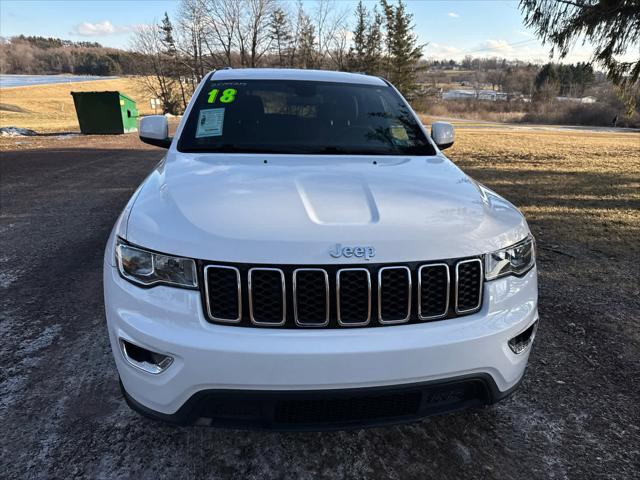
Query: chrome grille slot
point(223, 293)
point(353, 296)
point(434, 285)
point(267, 296)
point(311, 297)
point(468, 286)
point(394, 295)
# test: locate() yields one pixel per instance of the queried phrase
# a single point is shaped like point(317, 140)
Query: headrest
point(340, 111)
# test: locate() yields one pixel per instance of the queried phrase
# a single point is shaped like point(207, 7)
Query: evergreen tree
point(280, 33)
point(307, 43)
point(166, 31)
point(547, 82)
point(373, 50)
point(389, 28)
point(359, 49)
point(611, 26)
point(403, 49)
point(174, 68)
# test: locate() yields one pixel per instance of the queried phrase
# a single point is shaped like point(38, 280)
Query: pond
point(25, 80)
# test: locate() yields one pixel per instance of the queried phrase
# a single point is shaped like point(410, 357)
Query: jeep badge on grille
point(365, 252)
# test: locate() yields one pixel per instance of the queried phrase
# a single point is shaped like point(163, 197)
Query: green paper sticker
point(210, 123)
point(398, 132)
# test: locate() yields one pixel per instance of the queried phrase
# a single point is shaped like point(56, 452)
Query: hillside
point(49, 108)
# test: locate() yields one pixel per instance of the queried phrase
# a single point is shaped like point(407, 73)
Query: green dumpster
point(105, 112)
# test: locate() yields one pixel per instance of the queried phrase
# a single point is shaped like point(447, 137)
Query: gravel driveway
point(576, 414)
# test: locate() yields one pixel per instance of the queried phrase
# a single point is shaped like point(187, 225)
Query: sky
point(452, 29)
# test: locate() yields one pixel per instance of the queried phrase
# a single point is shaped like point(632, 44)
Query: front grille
point(394, 300)
point(354, 296)
point(222, 286)
point(468, 285)
point(333, 297)
point(433, 288)
point(267, 292)
point(311, 297)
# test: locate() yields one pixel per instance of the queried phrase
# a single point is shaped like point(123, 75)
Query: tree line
point(564, 80)
point(213, 34)
point(40, 55)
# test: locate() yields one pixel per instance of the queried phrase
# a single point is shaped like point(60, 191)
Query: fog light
point(520, 342)
point(146, 360)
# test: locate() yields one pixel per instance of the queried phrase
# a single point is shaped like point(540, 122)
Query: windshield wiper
point(230, 148)
point(333, 150)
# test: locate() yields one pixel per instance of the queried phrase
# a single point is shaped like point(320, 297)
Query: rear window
point(302, 117)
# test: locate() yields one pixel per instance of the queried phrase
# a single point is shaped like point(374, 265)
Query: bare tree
point(223, 18)
point(329, 22)
point(148, 41)
point(339, 49)
point(253, 37)
point(193, 31)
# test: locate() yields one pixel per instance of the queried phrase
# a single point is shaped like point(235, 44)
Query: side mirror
point(442, 134)
point(154, 130)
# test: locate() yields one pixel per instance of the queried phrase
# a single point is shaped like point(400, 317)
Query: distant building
point(465, 94)
point(577, 99)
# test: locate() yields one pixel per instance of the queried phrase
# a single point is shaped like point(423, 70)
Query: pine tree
point(174, 67)
point(612, 27)
point(547, 82)
point(403, 49)
point(366, 53)
point(389, 27)
point(359, 49)
point(280, 33)
point(166, 31)
point(307, 43)
point(373, 50)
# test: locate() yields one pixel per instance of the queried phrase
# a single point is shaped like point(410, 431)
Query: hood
point(295, 209)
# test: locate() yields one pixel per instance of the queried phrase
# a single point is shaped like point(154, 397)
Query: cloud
point(88, 29)
point(436, 50)
point(496, 46)
point(453, 15)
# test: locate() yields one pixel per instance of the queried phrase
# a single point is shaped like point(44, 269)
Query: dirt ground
point(576, 415)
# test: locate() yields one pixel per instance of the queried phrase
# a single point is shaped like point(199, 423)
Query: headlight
point(148, 268)
point(514, 260)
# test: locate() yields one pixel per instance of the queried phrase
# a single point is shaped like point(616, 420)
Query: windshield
point(302, 117)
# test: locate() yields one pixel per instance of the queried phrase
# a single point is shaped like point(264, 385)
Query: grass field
point(49, 108)
point(580, 193)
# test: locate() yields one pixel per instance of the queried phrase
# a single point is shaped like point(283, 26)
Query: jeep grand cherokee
point(305, 256)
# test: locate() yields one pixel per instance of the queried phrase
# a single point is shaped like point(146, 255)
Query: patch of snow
point(7, 278)
point(16, 132)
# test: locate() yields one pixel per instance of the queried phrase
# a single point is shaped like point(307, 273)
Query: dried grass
point(580, 192)
point(49, 108)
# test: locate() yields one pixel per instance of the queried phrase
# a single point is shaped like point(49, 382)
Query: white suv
point(306, 257)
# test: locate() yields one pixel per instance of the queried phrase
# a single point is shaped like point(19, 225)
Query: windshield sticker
point(210, 123)
point(228, 95)
point(398, 132)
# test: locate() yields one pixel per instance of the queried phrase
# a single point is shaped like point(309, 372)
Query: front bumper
point(329, 409)
point(259, 365)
